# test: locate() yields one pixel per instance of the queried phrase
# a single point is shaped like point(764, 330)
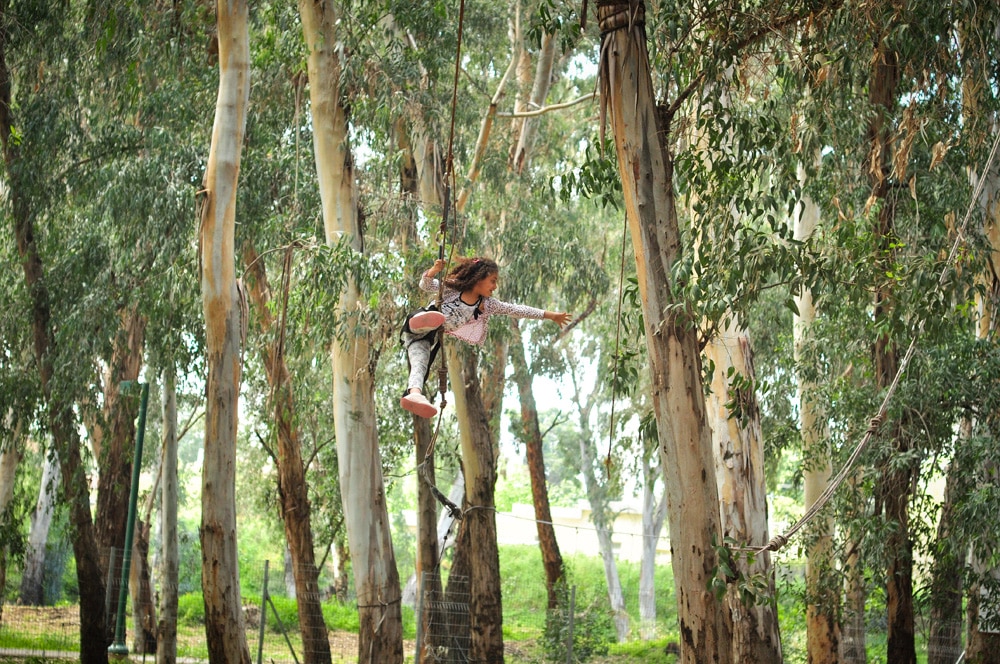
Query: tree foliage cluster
point(881, 114)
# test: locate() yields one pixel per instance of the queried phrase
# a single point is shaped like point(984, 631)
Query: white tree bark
point(654, 514)
point(33, 577)
point(166, 637)
point(445, 537)
point(822, 595)
point(225, 320)
point(362, 490)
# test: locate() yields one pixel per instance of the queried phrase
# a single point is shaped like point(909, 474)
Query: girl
point(466, 308)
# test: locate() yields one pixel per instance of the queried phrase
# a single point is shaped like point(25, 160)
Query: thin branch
point(550, 108)
point(315, 453)
point(591, 306)
point(484, 136)
point(556, 422)
point(267, 449)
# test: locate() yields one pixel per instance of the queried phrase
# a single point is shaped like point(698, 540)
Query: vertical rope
point(618, 328)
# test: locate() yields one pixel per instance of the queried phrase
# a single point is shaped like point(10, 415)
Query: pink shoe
point(426, 320)
point(417, 403)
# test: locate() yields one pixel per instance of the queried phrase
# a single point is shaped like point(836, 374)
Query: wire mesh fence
point(584, 625)
point(271, 612)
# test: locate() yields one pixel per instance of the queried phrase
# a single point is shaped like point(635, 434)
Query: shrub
point(592, 629)
point(191, 609)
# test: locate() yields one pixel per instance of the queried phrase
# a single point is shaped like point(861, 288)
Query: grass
point(524, 621)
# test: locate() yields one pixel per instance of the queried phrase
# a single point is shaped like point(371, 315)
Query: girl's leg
point(418, 353)
point(425, 321)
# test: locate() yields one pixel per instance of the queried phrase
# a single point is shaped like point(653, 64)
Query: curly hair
point(469, 272)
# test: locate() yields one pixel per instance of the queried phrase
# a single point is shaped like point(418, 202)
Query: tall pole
point(118, 648)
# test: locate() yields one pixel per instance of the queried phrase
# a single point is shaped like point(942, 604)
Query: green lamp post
point(118, 649)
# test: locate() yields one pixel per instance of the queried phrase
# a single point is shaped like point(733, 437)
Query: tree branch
point(550, 108)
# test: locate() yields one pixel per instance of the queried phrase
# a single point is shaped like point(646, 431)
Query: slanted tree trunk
point(59, 407)
point(532, 435)
point(293, 492)
point(166, 631)
point(373, 560)
point(822, 592)
point(33, 576)
point(479, 465)
point(225, 321)
point(646, 168)
point(654, 513)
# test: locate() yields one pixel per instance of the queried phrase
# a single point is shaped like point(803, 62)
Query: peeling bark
point(677, 395)
point(225, 321)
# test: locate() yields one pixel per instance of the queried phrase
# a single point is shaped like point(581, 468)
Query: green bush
point(287, 610)
point(592, 630)
point(191, 609)
point(341, 617)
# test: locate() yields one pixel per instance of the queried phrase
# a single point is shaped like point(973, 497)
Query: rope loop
point(623, 15)
point(777, 542)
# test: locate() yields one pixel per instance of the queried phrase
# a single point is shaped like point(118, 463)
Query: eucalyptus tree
point(375, 574)
point(822, 593)
point(34, 72)
point(224, 306)
point(685, 440)
point(646, 136)
point(276, 192)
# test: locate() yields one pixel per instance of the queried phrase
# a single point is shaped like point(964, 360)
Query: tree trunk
point(60, 415)
point(532, 435)
point(9, 460)
point(601, 515)
point(542, 82)
point(479, 465)
point(822, 593)
point(33, 577)
point(166, 631)
point(225, 322)
point(10, 457)
point(653, 515)
point(293, 491)
point(742, 498)
point(375, 575)
point(895, 481)
point(141, 592)
point(457, 593)
point(115, 453)
point(685, 439)
point(853, 641)
point(945, 641)
point(428, 569)
point(982, 646)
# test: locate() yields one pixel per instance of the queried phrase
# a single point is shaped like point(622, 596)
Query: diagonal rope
point(778, 541)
